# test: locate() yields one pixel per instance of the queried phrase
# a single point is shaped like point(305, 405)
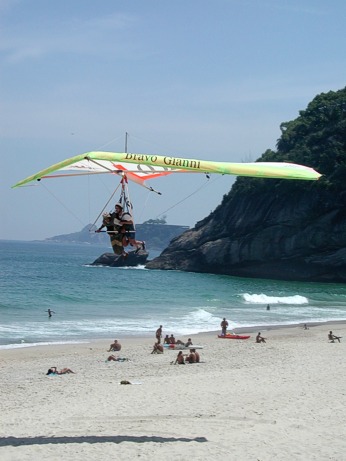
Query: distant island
point(156, 233)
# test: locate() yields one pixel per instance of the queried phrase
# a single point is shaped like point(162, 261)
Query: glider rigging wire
point(206, 183)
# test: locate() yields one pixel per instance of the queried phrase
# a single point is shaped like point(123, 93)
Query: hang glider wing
point(140, 167)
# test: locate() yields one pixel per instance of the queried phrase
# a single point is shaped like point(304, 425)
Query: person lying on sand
point(260, 339)
point(116, 346)
point(113, 358)
point(55, 371)
point(332, 337)
point(187, 344)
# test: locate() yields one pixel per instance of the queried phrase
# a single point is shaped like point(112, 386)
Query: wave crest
point(265, 299)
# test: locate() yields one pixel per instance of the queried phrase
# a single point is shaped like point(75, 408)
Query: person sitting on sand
point(180, 359)
point(188, 343)
point(157, 349)
point(116, 346)
point(197, 356)
point(166, 340)
point(55, 371)
point(332, 337)
point(260, 339)
point(172, 339)
point(191, 358)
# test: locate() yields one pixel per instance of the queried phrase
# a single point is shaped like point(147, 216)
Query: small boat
point(233, 336)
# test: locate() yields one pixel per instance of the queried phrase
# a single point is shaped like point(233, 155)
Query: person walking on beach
point(50, 312)
point(260, 339)
point(158, 334)
point(224, 326)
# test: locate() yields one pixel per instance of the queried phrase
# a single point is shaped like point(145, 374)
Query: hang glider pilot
point(128, 228)
point(113, 227)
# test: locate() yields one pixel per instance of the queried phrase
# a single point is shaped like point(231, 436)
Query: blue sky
point(193, 78)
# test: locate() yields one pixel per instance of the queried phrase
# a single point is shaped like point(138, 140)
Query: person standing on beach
point(224, 325)
point(50, 312)
point(158, 334)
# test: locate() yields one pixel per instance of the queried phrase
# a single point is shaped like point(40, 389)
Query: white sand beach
point(283, 400)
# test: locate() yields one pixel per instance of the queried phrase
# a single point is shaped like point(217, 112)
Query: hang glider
point(141, 167)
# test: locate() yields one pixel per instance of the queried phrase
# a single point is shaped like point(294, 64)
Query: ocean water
point(101, 302)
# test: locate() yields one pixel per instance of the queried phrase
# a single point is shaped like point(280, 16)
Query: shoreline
point(239, 330)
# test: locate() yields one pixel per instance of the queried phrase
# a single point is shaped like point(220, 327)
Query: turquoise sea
point(100, 302)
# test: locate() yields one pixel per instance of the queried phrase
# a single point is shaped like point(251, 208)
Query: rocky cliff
point(280, 229)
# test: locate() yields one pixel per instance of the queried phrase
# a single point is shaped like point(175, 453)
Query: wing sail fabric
point(140, 167)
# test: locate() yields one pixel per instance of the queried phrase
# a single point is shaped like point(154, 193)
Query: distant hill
point(156, 236)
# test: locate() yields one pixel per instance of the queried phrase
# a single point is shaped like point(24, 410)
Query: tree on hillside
point(316, 138)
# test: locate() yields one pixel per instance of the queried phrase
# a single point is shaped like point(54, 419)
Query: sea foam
point(264, 299)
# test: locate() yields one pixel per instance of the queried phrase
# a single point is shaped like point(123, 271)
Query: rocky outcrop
point(280, 229)
point(113, 260)
point(300, 236)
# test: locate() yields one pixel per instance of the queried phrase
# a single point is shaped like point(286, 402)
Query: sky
point(201, 79)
